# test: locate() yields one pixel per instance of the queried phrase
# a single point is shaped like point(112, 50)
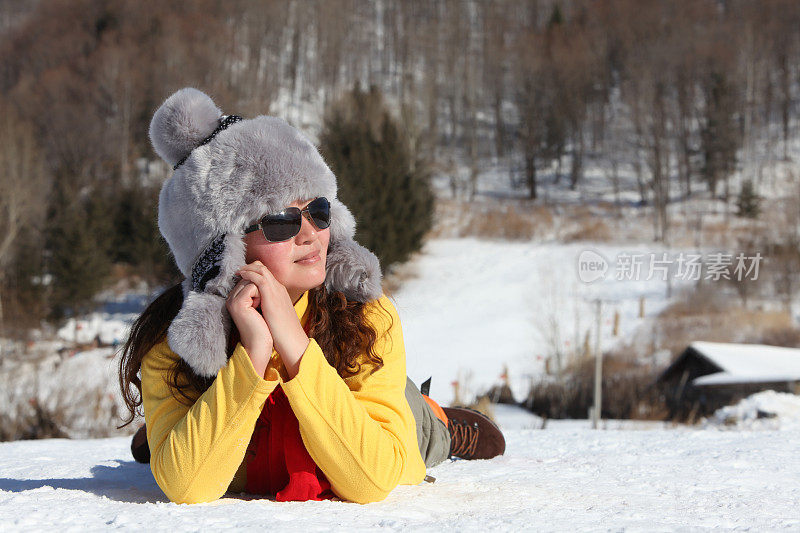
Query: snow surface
point(110, 324)
point(102, 326)
point(566, 477)
point(763, 410)
point(80, 391)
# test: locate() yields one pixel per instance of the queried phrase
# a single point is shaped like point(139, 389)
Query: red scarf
point(278, 461)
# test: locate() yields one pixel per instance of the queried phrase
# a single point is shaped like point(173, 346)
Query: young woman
point(277, 367)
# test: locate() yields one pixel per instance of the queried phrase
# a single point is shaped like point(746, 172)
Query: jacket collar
point(301, 308)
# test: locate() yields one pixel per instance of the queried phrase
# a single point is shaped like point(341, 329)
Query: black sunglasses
point(286, 224)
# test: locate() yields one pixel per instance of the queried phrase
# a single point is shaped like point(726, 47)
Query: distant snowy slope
point(564, 478)
point(78, 392)
point(478, 305)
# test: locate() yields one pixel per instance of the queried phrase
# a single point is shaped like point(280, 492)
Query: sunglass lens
point(282, 226)
point(320, 211)
point(285, 225)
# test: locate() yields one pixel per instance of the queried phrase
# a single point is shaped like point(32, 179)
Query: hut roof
point(748, 363)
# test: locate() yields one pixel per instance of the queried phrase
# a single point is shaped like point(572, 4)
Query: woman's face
point(283, 258)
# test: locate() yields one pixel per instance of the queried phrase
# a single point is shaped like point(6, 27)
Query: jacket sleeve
point(361, 433)
point(196, 450)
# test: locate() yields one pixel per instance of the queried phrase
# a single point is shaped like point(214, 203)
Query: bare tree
point(495, 54)
point(22, 187)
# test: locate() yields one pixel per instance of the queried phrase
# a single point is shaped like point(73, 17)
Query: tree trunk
point(530, 172)
point(499, 125)
point(576, 169)
point(2, 321)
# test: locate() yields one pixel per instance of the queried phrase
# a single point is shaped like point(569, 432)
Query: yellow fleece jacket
point(359, 430)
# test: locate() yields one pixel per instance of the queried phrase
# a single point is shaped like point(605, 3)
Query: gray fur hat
point(229, 172)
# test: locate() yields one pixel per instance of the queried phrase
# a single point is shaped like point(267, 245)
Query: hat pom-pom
point(183, 120)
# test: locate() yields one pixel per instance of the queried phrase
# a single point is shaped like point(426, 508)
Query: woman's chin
point(305, 277)
point(310, 282)
point(312, 274)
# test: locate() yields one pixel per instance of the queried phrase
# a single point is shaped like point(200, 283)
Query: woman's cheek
point(278, 257)
point(273, 256)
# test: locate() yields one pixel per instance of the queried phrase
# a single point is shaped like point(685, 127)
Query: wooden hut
point(710, 375)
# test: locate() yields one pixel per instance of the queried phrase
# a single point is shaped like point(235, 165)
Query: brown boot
point(473, 435)
point(139, 447)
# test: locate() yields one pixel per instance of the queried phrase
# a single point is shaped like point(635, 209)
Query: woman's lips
point(309, 260)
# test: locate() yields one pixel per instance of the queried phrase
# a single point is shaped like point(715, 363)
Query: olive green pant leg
point(433, 436)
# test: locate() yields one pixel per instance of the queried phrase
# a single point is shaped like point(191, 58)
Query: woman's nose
point(308, 230)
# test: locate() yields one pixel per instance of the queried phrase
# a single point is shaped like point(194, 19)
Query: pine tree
point(23, 287)
point(718, 134)
point(136, 239)
point(381, 180)
point(78, 239)
point(556, 17)
point(748, 202)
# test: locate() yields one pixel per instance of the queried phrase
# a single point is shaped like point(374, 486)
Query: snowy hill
point(564, 478)
point(478, 306)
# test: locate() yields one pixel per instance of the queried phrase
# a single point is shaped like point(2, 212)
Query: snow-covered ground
point(567, 477)
point(110, 323)
point(80, 392)
point(764, 410)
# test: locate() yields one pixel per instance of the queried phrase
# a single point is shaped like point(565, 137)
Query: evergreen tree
point(23, 287)
point(78, 239)
point(719, 133)
point(136, 239)
point(556, 17)
point(748, 202)
point(381, 180)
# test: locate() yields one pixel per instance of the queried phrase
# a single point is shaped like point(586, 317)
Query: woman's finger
point(264, 280)
point(258, 268)
point(237, 289)
point(239, 284)
point(245, 293)
point(288, 337)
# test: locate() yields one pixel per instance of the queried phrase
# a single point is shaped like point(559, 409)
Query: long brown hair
point(339, 326)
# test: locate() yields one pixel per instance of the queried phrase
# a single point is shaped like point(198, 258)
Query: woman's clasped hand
point(276, 325)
